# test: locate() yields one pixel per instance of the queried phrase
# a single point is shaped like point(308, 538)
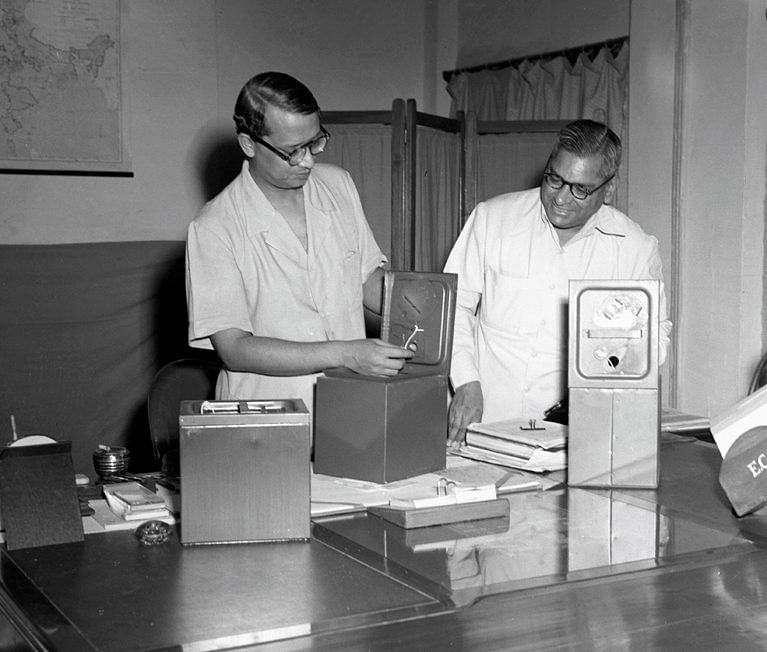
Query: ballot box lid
point(419, 313)
point(244, 412)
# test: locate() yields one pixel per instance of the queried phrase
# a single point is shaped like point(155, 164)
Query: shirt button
point(534, 354)
point(543, 322)
point(551, 287)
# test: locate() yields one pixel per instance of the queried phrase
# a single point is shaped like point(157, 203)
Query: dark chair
point(180, 380)
point(759, 378)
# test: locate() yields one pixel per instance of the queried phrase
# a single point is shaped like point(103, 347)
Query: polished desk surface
point(568, 569)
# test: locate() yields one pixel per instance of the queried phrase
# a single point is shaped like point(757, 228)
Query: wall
point(721, 200)
point(183, 63)
point(495, 30)
point(651, 153)
point(184, 60)
point(698, 136)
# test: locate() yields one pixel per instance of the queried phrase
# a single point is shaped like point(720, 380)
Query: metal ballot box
point(614, 402)
point(245, 471)
point(386, 429)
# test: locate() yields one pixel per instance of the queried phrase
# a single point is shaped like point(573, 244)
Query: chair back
point(180, 380)
point(759, 377)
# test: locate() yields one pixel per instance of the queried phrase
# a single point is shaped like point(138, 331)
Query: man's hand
point(465, 408)
point(375, 357)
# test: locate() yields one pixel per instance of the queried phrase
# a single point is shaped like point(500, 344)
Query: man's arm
point(465, 408)
point(242, 351)
point(372, 291)
point(466, 260)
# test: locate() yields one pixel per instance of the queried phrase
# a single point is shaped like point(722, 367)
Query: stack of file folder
point(518, 443)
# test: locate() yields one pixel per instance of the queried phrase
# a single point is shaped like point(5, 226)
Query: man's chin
point(295, 182)
point(561, 224)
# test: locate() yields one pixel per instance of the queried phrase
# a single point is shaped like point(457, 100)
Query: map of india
point(60, 82)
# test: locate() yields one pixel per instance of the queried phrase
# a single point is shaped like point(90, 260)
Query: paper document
point(539, 461)
point(331, 495)
point(531, 432)
point(672, 420)
point(518, 443)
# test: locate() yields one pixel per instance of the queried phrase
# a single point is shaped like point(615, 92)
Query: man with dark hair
point(514, 260)
point(280, 263)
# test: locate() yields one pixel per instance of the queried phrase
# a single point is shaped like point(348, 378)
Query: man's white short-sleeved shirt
point(513, 285)
point(246, 269)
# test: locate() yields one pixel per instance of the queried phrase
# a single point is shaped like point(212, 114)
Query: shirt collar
point(262, 217)
point(601, 223)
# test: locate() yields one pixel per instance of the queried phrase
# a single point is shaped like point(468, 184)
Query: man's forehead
point(568, 165)
point(289, 124)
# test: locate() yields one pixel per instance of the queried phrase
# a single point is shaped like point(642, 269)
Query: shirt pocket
point(513, 304)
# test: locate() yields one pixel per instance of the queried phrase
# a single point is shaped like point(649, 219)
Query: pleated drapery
point(364, 150)
point(552, 88)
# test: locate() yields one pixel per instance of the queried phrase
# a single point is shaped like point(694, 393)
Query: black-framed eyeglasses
point(297, 155)
point(577, 190)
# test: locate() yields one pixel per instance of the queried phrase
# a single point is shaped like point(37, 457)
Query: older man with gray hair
point(514, 260)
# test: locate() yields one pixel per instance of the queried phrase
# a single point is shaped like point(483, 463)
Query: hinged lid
point(614, 331)
point(419, 313)
point(255, 412)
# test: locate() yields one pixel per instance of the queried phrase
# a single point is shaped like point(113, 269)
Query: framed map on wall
point(60, 86)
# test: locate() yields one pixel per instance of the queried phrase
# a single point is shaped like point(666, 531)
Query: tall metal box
point(245, 471)
point(604, 531)
point(385, 429)
point(614, 402)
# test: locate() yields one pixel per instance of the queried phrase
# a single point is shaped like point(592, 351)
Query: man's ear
point(610, 189)
point(246, 145)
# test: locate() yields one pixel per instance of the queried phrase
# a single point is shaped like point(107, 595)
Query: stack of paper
point(134, 502)
point(672, 420)
point(518, 443)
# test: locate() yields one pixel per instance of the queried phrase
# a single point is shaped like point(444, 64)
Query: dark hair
point(591, 138)
point(270, 89)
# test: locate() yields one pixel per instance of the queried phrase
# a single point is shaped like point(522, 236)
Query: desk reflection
point(548, 537)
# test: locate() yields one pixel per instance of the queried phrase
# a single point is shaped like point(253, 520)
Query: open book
point(518, 443)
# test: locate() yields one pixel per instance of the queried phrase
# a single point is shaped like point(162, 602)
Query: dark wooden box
point(380, 429)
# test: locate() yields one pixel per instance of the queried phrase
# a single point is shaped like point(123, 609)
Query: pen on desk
point(13, 428)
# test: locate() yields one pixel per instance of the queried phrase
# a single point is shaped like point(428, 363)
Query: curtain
point(552, 89)
point(364, 150)
point(437, 211)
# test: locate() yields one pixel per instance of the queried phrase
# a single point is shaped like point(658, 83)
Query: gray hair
point(591, 138)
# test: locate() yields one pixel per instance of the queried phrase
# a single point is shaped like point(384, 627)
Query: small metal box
point(245, 471)
point(385, 429)
point(614, 402)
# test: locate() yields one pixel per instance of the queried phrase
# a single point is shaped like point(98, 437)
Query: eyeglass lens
point(315, 147)
point(577, 191)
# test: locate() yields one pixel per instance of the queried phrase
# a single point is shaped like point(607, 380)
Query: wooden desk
point(572, 569)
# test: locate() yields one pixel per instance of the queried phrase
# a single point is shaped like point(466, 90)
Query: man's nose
point(563, 194)
point(308, 160)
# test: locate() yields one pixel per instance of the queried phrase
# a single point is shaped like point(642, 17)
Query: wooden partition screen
point(420, 175)
point(422, 168)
